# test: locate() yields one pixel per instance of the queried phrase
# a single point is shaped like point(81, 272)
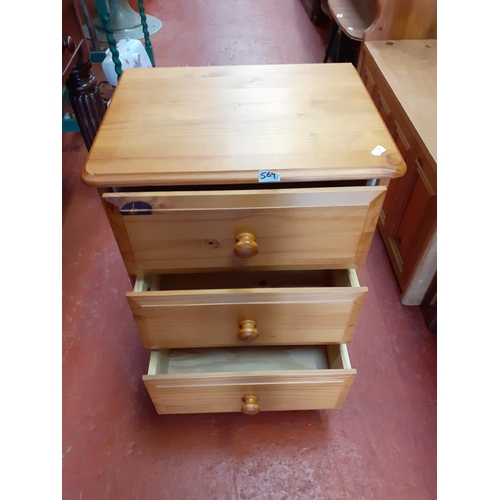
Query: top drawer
point(316, 228)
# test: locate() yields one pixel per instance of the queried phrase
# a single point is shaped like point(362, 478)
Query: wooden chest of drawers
point(246, 292)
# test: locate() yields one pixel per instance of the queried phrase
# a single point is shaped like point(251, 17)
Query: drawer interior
point(232, 187)
point(248, 279)
point(248, 359)
point(214, 379)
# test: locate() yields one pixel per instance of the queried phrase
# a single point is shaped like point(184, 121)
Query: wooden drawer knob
point(246, 246)
point(250, 406)
point(247, 331)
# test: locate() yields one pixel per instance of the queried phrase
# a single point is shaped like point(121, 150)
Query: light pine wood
point(246, 246)
point(221, 125)
point(158, 362)
point(344, 354)
point(401, 20)
point(353, 278)
point(250, 406)
point(140, 284)
point(348, 279)
point(246, 296)
point(248, 331)
point(366, 236)
point(235, 316)
point(119, 232)
point(293, 228)
point(219, 380)
point(353, 16)
point(410, 69)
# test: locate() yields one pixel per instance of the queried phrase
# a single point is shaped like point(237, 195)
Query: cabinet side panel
point(370, 224)
point(121, 236)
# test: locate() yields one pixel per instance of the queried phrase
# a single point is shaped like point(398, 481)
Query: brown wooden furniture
point(353, 16)
point(403, 20)
point(369, 20)
point(400, 20)
point(401, 77)
point(350, 19)
point(245, 291)
point(86, 101)
point(396, 20)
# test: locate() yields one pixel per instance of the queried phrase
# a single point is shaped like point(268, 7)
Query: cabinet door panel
point(370, 84)
point(420, 201)
point(386, 113)
point(398, 188)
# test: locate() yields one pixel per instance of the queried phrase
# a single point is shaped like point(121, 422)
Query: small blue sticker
point(268, 176)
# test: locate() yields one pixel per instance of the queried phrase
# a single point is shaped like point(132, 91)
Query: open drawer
point(237, 308)
point(249, 379)
point(304, 228)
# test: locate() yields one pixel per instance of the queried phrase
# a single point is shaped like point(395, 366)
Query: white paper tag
point(268, 176)
point(377, 151)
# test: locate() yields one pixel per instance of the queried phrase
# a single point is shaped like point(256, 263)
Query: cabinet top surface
point(213, 125)
point(410, 69)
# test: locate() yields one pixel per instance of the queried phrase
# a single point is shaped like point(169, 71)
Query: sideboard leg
point(86, 100)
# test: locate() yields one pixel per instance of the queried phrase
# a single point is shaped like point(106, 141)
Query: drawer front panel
point(221, 317)
point(283, 229)
point(276, 379)
point(229, 397)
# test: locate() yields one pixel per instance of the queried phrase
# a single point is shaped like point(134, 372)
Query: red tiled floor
point(381, 445)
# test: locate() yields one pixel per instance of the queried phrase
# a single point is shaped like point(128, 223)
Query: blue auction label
point(268, 176)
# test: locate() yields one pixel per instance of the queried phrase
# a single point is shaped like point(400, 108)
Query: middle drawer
point(241, 308)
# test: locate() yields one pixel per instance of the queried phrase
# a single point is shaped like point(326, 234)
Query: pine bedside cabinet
point(244, 200)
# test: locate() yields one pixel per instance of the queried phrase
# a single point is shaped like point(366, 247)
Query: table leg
point(333, 37)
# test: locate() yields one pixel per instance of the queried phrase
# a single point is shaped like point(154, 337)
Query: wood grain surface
point(322, 228)
point(403, 20)
point(219, 125)
point(410, 69)
point(218, 380)
point(353, 16)
point(207, 316)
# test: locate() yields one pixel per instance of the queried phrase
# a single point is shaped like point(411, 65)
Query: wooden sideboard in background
point(397, 63)
point(401, 78)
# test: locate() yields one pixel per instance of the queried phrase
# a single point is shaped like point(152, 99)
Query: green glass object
point(102, 10)
point(147, 41)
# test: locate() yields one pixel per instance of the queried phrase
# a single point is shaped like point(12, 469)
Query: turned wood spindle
point(86, 100)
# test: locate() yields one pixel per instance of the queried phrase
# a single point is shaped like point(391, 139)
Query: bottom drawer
point(249, 379)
